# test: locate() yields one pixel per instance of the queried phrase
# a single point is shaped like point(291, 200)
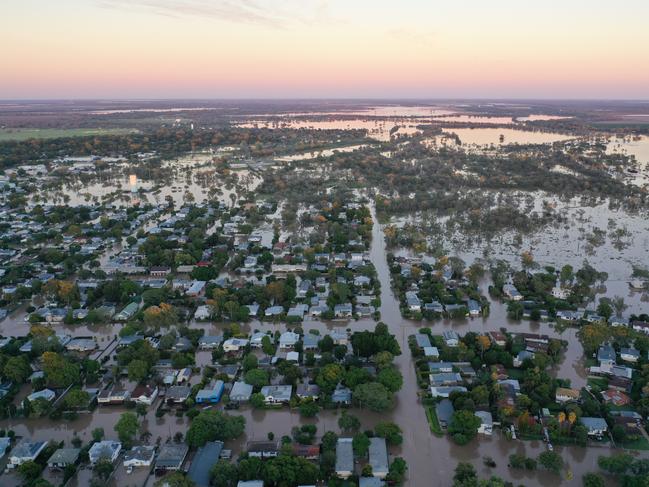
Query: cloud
point(411, 36)
point(272, 13)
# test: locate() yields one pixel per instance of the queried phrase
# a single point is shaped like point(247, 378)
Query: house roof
point(344, 455)
point(378, 452)
point(205, 458)
point(64, 456)
point(171, 456)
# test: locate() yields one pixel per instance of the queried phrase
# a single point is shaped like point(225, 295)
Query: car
point(129, 470)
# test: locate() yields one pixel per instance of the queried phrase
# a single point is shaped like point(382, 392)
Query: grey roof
point(240, 391)
point(250, 483)
point(606, 352)
point(444, 410)
point(171, 456)
point(64, 456)
point(344, 455)
point(140, 453)
point(378, 452)
point(594, 424)
point(205, 458)
point(27, 449)
point(422, 340)
point(370, 482)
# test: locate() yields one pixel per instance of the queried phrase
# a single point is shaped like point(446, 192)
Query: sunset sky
point(319, 48)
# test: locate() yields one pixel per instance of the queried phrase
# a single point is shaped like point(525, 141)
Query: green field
point(25, 134)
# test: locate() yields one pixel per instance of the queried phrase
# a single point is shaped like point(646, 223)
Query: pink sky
point(317, 48)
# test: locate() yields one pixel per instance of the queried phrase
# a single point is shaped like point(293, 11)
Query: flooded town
point(343, 294)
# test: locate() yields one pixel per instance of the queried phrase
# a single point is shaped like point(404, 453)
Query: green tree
point(463, 426)
point(29, 471)
point(138, 370)
point(390, 431)
point(224, 474)
point(214, 425)
point(126, 428)
point(593, 480)
point(391, 378)
point(256, 378)
point(374, 396)
point(17, 369)
point(176, 479)
point(361, 444)
point(103, 468)
point(348, 422)
point(551, 460)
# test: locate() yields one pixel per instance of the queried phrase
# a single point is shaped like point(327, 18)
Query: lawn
point(639, 444)
point(435, 428)
point(8, 134)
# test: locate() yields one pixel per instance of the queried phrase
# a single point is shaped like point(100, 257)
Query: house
point(615, 397)
point(378, 454)
point(159, 271)
point(498, 338)
point(563, 395)
point(606, 356)
point(262, 449)
point(139, 456)
point(444, 410)
point(618, 321)
point(510, 291)
point(445, 379)
point(81, 345)
point(47, 394)
point(277, 394)
point(370, 482)
point(240, 392)
point(210, 395)
point(475, 309)
point(63, 457)
point(439, 367)
point(144, 394)
point(196, 289)
point(344, 310)
point(104, 450)
point(596, 426)
point(5, 443)
point(422, 340)
point(307, 391)
point(178, 394)
point(431, 352)
point(24, 452)
point(344, 458)
point(629, 355)
point(204, 460)
point(250, 483)
point(234, 344)
point(293, 357)
point(202, 312)
point(209, 342)
point(340, 337)
point(521, 357)
point(310, 342)
point(171, 457)
point(486, 422)
point(445, 391)
point(412, 301)
point(115, 395)
point(288, 339)
point(310, 452)
point(341, 395)
point(183, 375)
point(451, 338)
point(128, 312)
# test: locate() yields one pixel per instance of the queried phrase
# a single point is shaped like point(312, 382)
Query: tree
point(214, 425)
point(551, 460)
point(76, 398)
point(464, 474)
point(348, 422)
point(29, 471)
point(97, 434)
point(287, 470)
point(224, 474)
point(138, 370)
point(374, 396)
point(256, 377)
point(309, 409)
point(391, 378)
point(463, 426)
point(593, 480)
point(267, 345)
point(617, 464)
point(390, 431)
point(126, 428)
point(103, 468)
point(59, 371)
point(397, 471)
point(383, 359)
point(17, 369)
point(249, 362)
point(361, 444)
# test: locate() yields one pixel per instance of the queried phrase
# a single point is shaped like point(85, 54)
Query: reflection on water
point(504, 136)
